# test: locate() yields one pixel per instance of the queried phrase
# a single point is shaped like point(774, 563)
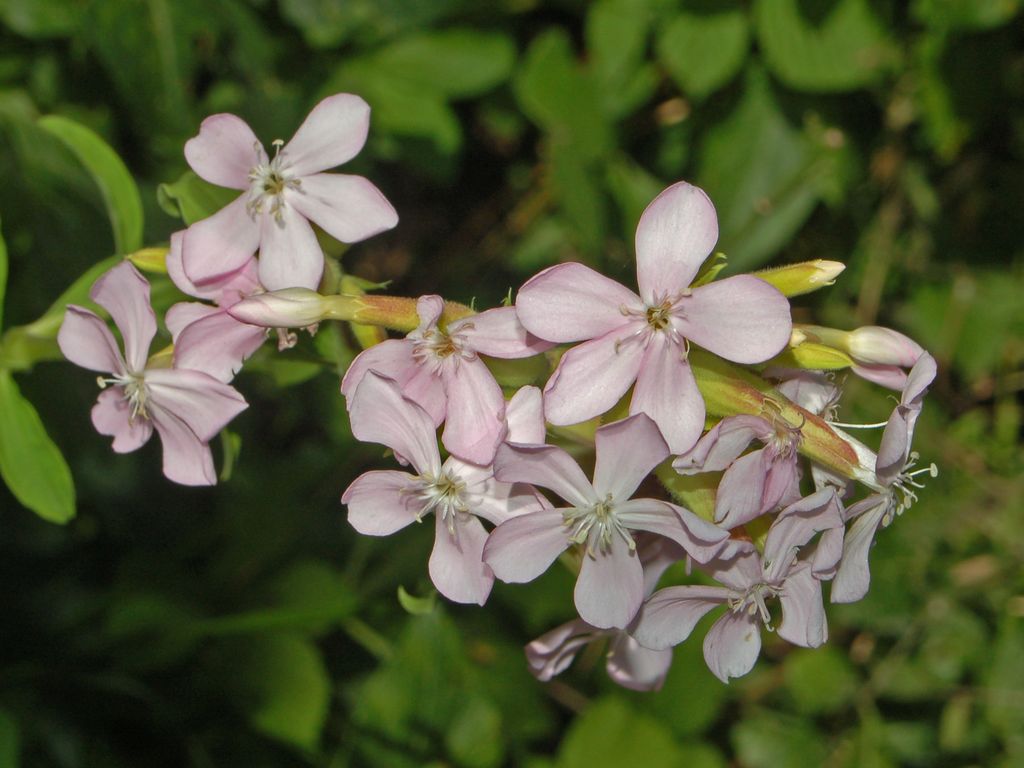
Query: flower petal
point(217, 345)
point(732, 645)
point(795, 526)
point(379, 414)
point(86, 341)
point(632, 666)
point(124, 293)
point(571, 302)
point(112, 416)
point(219, 244)
point(742, 319)
point(524, 415)
point(332, 134)
point(722, 445)
point(225, 151)
point(675, 235)
point(700, 539)
point(475, 417)
point(547, 466)
point(667, 392)
point(204, 404)
point(226, 289)
point(348, 208)
point(184, 313)
point(553, 652)
point(498, 333)
point(670, 615)
point(380, 503)
point(627, 451)
point(803, 613)
point(290, 256)
point(741, 490)
point(456, 565)
point(521, 549)
point(610, 587)
point(186, 458)
point(853, 576)
point(592, 377)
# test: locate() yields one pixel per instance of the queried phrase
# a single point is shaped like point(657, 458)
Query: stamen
point(596, 526)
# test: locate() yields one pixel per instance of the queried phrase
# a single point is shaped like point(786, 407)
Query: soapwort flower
point(645, 338)
point(186, 407)
point(282, 194)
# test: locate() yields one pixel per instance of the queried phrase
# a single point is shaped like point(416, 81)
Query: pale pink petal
point(219, 245)
point(86, 341)
point(124, 293)
point(592, 377)
point(667, 392)
point(427, 390)
point(521, 549)
point(429, 309)
point(919, 379)
point(475, 418)
point(853, 576)
point(553, 652)
point(391, 358)
point(632, 666)
point(290, 256)
point(812, 391)
point(781, 483)
point(112, 416)
point(204, 404)
point(456, 565)
point(186, 459)
point(217, 345)
point(571, 302)
point(498, 333)
point(225, 151)
point(379, 414)
point(610, 587)
point(742, 319)
point(732, 645)
point(381, 502)
point(803, 614)
point(675, 235)
point(700, 539)
point(795, 526)
point(722, 445)
point(874, 345)
point(738, 565)
point(548, 467)
point(827, 554)
point(348, 208)
point(524, 415)
point(627, 451)
point(176, 271)
point(670, 615)
point(332, 134)
point(888, 376)
point(741, 490)
point(184, 313)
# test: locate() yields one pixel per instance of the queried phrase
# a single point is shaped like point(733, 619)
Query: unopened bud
point(875, 345)
point(810, 356)
point(807, 276)
point(153, 260)
point(292, 308)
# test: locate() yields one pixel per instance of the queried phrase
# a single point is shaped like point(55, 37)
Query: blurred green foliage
point(247, 625)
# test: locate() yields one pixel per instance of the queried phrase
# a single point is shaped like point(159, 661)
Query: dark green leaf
point(616, 36)
point(3, 276)
point(30, 463)
point(705, 46)
point(820, 680)
point(190, 198)
point(771, 740)
point(9, 746)
point(41, 19)
point(610, 735)
point(120, 194)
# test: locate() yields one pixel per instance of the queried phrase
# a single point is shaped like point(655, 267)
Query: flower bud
point(292, 308)
point(153, 260)
point(807, 276)
point(875, 345)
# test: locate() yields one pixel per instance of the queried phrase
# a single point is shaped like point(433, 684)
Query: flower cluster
point(687, 375)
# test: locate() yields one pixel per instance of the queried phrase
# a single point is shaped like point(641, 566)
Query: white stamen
point(596, 526)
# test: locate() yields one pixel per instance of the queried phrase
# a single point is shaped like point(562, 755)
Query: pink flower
point(458, 493)
point(282, 195)
point(644, 338)
point(207, 338)
point(187, 408)
point(733, 643)
point(601, 517)
point(441, 371)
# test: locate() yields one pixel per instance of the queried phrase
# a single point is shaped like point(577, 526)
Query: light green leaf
point(42, 19)
point(190, 198)
point(823, 45)
point(417, 606)
point(576, 185)
point(609, 734)
point(965, 14)
point(120, 193)
point(476, 738)
point(633, 188)
point(30, 462)
point(705, 46)
point(616, 38)
point(3, 277)
point(820, 680)
point(771, 740)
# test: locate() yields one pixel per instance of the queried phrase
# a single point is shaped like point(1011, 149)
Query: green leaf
point(633, 189)
point(9, 741)
point(1005, 681)
point(771, 740)
point(417, 606)
point(190, 198)
point(557, 95)
point(457, 63)
point(965, 14)
point(118, 188)
point(823, 45)
point(3, 277)
point(616, 37)
point(704, 47)
point(610, 735)
point(30, 463)
point(282, 685)
point(764, 175)
point(820, 680)
point(476, 738)
point(576, 185)
point(42, 19)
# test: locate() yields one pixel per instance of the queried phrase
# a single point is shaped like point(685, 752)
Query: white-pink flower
point(282, 194)
point(186, 407)
point(643, 339)
point(381, 502)
point(440, 370)
point(601, 517)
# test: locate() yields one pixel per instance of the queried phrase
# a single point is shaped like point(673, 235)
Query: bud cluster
point(707, 419)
